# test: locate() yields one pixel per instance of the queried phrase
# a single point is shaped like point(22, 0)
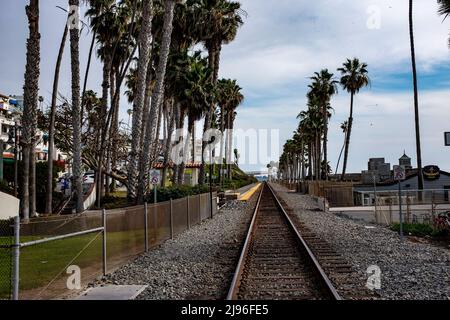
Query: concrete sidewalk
point(111, 292)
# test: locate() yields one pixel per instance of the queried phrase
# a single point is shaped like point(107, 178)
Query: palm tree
point(219, 21)
point(31, 88)
point(144, 41)
point(223, 91)
point(75, 66)
point(354, 77)
point(444, 9)
point(104, 22)
point(157, 98)
point(323, 88)
point(416, 98)
point(196, 94)
point(51, 134)
point(235, 98)
point(311, 128)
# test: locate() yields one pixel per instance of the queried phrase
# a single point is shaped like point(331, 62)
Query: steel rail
point(322, 275)
point(232, 293)
point(234, 289)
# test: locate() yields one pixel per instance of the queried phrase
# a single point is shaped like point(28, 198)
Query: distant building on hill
point(11, 109)
point(405, 161)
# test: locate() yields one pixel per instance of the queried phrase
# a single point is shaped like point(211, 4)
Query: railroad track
point(276, 262)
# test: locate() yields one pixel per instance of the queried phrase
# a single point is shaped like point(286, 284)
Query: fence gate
point(6, 241)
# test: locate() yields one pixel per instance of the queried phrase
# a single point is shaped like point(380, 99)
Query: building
point(11, 109)
point(191, 174)
point(378, 170)
point(8, 115)
point(405, 161)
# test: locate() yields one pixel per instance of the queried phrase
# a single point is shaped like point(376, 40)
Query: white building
point(11, 108)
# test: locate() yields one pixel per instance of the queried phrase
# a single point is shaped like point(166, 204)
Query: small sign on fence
point(447, 138)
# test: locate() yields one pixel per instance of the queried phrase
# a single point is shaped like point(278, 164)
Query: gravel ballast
point(409, 270)
point(199, 264)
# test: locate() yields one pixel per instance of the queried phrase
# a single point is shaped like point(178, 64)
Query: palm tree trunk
point(318, 156)
point(186, 152)
point(303, 161)
point(180, 170)
point(310, 161)
point(193, 142)
point(31, 88)
point(416, 98)
point(157, 96)
point(168, 142)
point(33, 176)
point(75, 66)
point(340, 154)
point(51, 133)
point(180, 127)
point(103, 120)
point(145, 39)
point(154, 154)
point(214, 62)
point(325, 141)
point(114, 150)
point(347, 138)
point(222, 130)
point(147, 100)
point(227, 142)
point(86, 74)
point(112, 128)
point(230, 147)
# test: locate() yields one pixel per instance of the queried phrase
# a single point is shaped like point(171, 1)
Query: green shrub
point(41, 181)
point(4, 187)
point(415, 229)
point(114, 202)
point(176, 192)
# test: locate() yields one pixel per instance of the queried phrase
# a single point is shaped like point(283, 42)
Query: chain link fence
point(6, 241)
point(418, 206)
point(52, 248)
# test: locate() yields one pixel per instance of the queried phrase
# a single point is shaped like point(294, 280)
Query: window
point(447, 191)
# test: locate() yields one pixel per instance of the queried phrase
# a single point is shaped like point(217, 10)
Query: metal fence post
point(188, 214)
point(104, 241)
point(211, 204)
point(16, 272)
point(171, 218)
point(146, 226)
point(200, 219)
point(400, 209)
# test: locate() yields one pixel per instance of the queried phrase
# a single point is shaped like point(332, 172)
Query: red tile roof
point(190, 165)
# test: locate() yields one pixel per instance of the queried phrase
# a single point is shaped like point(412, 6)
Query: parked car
point(89, 177)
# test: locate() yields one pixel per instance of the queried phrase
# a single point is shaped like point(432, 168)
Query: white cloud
point(383, 125)
point(286, 41)
point(281, 44)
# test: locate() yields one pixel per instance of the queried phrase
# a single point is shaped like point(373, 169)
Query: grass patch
point(40, 264)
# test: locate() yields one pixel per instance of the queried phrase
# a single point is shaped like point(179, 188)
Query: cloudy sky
point(282, 43)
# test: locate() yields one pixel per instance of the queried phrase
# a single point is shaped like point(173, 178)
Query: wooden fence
point(338, 194)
